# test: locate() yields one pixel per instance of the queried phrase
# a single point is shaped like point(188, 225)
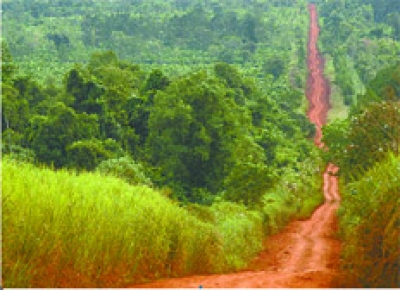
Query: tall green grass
point(63, 229)
point(296, 197)
point(66, 230)
point(370, 228)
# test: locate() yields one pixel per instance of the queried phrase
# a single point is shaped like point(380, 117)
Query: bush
point(87, 154)
point(296, 196)
point(358, 143)
point(18, 153)
point(241, 232)
point(276, 213)
point(124, 168)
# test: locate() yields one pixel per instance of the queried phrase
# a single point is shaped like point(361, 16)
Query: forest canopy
point(224, 96)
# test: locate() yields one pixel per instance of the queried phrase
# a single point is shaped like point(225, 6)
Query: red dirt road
point(306, 253)
point(317, 86)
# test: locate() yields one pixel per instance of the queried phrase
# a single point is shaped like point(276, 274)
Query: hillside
point(202, 116)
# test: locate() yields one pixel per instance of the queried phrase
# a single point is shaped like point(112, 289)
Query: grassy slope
point(88, 230)
point(369, 222)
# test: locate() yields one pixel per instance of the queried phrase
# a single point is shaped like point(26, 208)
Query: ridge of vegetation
point(198, 134)
point(366, 147)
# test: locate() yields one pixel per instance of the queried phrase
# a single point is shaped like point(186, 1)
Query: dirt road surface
point(306, 253)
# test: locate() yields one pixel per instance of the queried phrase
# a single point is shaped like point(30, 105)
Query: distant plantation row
point(175, 36)
point(91, 230)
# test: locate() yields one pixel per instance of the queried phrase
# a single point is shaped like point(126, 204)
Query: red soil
point(306, 253)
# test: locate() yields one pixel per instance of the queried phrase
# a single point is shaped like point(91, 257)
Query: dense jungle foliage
point(366, 147)
point(181, 106)
point(198, 134)
point(198, 109)
point(180, 101)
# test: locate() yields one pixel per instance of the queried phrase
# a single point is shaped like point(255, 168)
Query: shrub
point(87, 154)
point(124, 168)
point(17, 152)
point(297, 195)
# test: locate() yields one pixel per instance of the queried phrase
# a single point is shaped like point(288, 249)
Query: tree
point(86, 154)
point(249, 28)
point(384, 87)
point(15, 106)
point(193, 128)
point(86, 91)
point(124, 168)
point(109, 88)
point(15, 110)
point(371, 134)
point(101, 59)
point(274, 66)
point(155, 81)
point(230, 76)
point(336, 139)
point(139, 107)
point(8, 67)
point(249, 177)
point(50, 135)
